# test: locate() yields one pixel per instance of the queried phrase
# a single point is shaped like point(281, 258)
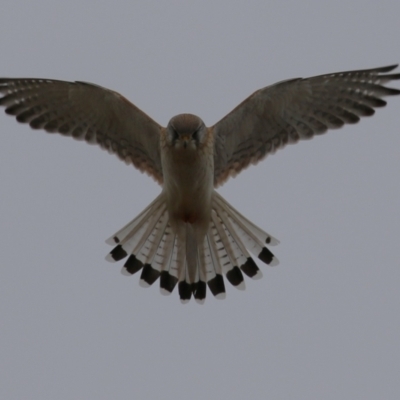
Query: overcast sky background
point(324, 324)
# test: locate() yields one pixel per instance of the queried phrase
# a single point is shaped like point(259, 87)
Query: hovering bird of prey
point(189, 235)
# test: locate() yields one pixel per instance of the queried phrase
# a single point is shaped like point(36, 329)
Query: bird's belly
point(189, 200)
point(188, 188)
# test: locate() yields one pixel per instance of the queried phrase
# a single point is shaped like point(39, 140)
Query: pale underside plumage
point(266, 121)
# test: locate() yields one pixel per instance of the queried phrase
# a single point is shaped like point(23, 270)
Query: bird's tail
point(180, 256)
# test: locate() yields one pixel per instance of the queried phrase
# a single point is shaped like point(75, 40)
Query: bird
point(190, 236)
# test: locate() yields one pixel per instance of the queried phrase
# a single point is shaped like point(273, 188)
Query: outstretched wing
point(87, 112)
point(292, 110)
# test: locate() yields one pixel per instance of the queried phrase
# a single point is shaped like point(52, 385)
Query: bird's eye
point(175, 134)
point(194, 134)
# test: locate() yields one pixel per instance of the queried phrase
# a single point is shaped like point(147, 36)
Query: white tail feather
point(135, 241)
point(227, 254)
point(192, 256)
point(129, 228)
point(206, 261)
point(235, 215)
point(179, 255)
point(214, 239)
point(163, 256)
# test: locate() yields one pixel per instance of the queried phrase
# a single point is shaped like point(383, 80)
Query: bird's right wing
point(87, 112)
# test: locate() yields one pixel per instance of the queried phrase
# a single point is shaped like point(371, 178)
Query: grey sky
point(323, 324)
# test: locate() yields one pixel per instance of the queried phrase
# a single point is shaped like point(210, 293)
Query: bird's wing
point(87, 112)
point(292, 110)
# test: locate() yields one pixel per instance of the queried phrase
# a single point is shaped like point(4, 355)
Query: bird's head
point(186, 132)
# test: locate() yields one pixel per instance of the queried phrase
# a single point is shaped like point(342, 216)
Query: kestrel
point(189, 235)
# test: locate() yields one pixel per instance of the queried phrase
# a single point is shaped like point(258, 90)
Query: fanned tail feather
point(179, 256)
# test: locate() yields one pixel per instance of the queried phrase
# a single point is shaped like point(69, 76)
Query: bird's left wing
point(292, 110)
point(87, 112)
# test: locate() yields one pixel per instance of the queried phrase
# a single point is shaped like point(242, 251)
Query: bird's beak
point(185, 141)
